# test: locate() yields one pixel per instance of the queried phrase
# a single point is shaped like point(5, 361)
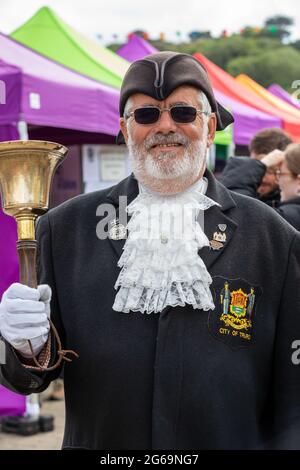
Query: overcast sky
point(108, 17)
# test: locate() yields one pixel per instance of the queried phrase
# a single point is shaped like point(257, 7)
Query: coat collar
point(214, 217)
point(215, 190)
point(127, 187)
point(294, 201)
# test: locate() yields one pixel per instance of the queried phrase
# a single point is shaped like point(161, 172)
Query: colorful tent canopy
point(136, 48)
point(247, 120)
point(225, 83)
point(266, 95)
point(11, 403)
point(9, 132)
point(10, 92)
point(49, 95)
point(52, 95)
point(278, 91)
point(48, 34)
point(8, 255)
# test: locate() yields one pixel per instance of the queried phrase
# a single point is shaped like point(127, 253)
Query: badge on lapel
point(117, 231)
point(219, 238)
point(233, 318)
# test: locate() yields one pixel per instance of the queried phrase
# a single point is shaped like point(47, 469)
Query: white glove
point(24, 314)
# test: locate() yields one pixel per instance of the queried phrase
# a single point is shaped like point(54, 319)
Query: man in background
point(250, 176)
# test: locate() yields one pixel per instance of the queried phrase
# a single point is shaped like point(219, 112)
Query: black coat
point(184, 378)
point(244, 175)
point(290, 211)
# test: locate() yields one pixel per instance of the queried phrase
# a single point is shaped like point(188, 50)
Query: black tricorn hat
point(159, 74)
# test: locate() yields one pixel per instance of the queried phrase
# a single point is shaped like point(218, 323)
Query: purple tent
point(11, 403)
point(247, 120)
point(41, 92)
point(10, 93)
point(9, 267)
point(278, 91)
point(10, 83)
point(136, 48)
point(8, 132)
point(10, 100)
point(52, 95)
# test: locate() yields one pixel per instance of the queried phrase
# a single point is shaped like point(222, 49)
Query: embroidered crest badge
point(232, 319)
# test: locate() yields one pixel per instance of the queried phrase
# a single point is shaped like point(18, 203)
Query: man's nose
point(165, 123)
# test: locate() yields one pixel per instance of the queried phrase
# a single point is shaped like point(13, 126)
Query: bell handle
point(27, 250)
point(27, 261)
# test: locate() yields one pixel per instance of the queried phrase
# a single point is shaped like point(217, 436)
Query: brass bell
point(26, 172)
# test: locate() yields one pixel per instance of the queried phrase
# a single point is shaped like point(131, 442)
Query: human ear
point(298, 185)
point(212, 124)
point(123, 127)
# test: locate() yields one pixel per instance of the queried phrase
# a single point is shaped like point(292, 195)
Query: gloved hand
point(24, 314)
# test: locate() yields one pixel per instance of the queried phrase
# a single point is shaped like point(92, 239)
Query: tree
point(223, 50)
point(280, 66)
point(280, 21)
point(296, 44)
point(278, 26)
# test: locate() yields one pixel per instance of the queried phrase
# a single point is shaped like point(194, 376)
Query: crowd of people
point(271, 174)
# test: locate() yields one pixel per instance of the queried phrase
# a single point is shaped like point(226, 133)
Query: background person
point(247, 176)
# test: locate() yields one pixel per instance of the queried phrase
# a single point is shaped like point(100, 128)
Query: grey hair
point(127, 107)
point(203, 101)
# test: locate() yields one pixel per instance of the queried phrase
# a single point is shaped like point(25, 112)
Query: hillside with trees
point(266, 54)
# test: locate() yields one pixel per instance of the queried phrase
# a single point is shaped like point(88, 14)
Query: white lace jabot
point(160, 262)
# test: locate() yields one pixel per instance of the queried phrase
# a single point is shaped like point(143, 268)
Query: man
point(253, 177)
point(162, 364)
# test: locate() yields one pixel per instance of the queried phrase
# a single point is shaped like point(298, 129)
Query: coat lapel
point(129, 189)
point(217, 216)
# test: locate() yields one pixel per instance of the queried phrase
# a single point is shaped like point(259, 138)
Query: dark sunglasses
point(183, 114)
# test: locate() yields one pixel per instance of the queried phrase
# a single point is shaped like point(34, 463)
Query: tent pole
point(23, 130)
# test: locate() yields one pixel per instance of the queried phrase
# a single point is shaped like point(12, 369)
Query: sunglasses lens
point(183, 114)
point(146, 115)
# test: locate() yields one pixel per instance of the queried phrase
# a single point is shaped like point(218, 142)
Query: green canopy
point(224, 137)
point(47, 34)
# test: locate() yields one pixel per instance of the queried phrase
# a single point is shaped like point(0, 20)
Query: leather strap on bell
point(62, 353)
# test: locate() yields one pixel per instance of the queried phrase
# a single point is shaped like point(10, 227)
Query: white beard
point(184, 168)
